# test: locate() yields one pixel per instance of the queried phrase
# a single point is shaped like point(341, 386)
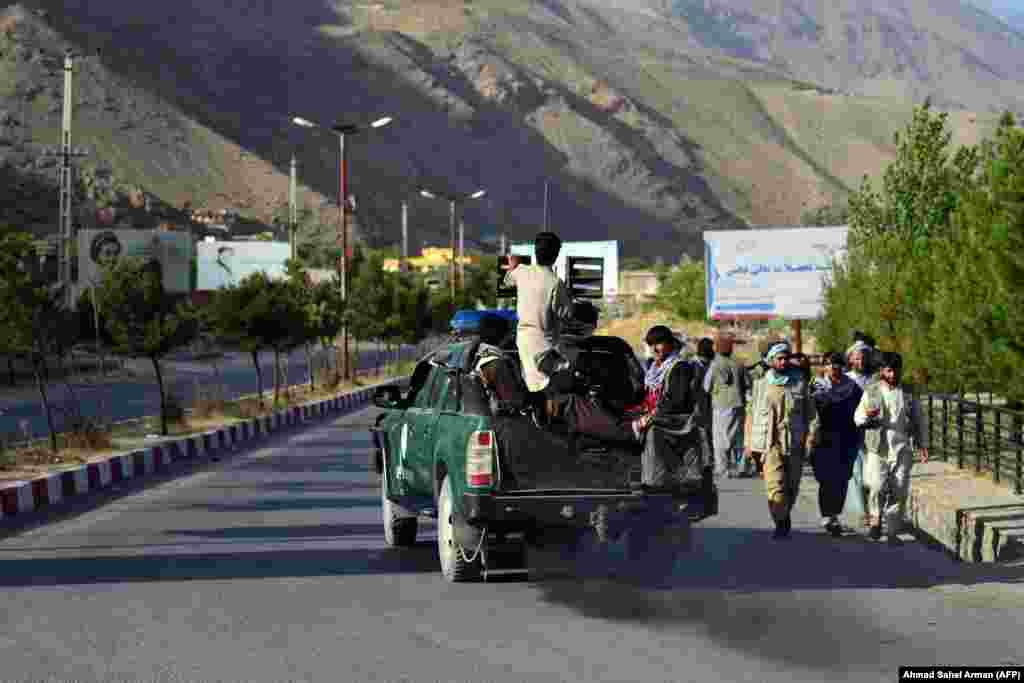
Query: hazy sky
point(1005, 5)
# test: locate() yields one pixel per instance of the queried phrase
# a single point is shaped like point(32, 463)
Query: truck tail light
point(480, 459)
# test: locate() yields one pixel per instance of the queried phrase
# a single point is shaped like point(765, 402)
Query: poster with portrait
point(227, 263)
point(98, 249)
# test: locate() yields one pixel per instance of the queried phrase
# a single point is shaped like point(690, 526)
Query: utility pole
point(451, 269)
point(404, 264)
point(462, 254)
point(343, 258)
point(502, 250)
point(292, 208)
point(66, 225)
point(545, 206)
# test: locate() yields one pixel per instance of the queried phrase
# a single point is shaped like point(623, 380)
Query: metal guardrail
point(984, 436)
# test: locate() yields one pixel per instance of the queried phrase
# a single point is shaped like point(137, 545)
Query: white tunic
point(542, 303)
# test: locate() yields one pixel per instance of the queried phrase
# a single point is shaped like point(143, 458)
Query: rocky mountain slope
point(652, 119)
point(138, 146)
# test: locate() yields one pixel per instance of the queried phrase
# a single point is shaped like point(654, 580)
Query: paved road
point(137, 396)
point(270, 566)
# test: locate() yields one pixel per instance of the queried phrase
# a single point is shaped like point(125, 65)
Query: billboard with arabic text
point(769, 273)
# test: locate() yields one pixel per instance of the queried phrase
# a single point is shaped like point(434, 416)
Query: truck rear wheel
point(400, 525)
point(455, 566)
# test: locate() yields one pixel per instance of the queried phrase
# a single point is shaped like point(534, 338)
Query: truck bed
point(531, 458)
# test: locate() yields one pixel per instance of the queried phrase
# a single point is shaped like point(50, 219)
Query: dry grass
point(634, 328)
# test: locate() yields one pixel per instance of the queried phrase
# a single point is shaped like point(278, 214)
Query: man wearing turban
point(755, 384)
point(785, 413)
point(858, 359)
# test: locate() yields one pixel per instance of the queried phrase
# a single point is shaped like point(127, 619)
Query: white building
point(609, 251)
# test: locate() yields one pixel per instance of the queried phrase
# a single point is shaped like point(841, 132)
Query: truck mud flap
point(505, 559)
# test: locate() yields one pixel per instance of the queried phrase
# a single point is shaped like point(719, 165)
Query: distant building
point(430, 258)
point(640, 285)
point(606, 250)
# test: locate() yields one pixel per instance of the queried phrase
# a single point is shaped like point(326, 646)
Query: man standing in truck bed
point(543, 305)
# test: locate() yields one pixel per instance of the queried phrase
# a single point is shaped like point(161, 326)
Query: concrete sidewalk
point(974, 518)
point(967, 515)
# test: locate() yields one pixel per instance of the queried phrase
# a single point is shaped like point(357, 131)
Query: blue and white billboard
point(770, 273)
point(227, 263)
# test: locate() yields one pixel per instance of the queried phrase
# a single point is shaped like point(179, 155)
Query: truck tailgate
point(531, 458)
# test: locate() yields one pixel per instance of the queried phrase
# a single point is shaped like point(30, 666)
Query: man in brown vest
point(726, 384)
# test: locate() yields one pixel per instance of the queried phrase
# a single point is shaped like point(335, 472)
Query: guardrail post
point(979, 437)
point(997, 456)
point(931, 418)
point(960, 434)
point(1018, 428)
point(945, 428)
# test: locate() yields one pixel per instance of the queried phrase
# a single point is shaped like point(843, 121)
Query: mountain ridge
point(648, 125)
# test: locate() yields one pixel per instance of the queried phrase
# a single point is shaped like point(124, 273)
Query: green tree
point(306, 313)
point(681, 291)
point(259, 314)
point(143, 320)
point(34, 319)
point(635, 263)
point(828, 215)
point(981, 289)
point(231, 323)
point(372, 313)
point(888, 285)
point(329, 316)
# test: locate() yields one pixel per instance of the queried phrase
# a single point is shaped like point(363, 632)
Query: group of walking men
point(857, 425)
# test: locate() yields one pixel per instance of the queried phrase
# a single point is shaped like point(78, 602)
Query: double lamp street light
point(452, 200)
point(341, 130)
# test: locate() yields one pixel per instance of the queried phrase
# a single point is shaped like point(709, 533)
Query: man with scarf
point(785, 412)
point(836, 397)
point(496, 369)
point(894, 425)
point(755, 382)
point(858, 358)
point(726, 383)
point(672, 441)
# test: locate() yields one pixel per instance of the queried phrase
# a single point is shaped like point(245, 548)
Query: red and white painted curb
point(21, 497)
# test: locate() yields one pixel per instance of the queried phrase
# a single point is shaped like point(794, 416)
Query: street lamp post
point(452, 200)
point(341, 130)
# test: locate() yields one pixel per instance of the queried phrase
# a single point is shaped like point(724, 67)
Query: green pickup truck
point(497, 484)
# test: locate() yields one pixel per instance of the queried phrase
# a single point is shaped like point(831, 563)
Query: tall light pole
point(341, 130)
point(452, 200)
point(404, 263)
point(292, 208)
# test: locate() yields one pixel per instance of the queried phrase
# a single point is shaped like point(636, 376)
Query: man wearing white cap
point(787, 414)
point(858, 359)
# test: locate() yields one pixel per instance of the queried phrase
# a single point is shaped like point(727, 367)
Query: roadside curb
point(23, 497)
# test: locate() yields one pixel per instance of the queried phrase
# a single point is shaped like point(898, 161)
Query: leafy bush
point(681, 291)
